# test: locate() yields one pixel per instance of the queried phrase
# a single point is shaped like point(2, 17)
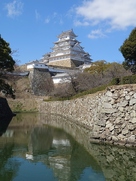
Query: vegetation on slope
point(96, 78)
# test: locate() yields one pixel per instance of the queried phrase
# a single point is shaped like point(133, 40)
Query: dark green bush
point(115, 81)
point(129, 79)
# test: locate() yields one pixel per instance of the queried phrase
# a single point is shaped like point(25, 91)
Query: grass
point(91, 91)
point(19, 108)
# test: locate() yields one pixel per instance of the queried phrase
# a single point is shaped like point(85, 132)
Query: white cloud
point(47, 20)
point(14, 8)
point(54, 15)
point(37, 15)
point(55, 18)
point(60, 21)
point(79, 23)
point(96, 34)
point(118, 14)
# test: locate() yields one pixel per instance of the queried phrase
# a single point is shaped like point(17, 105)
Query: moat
point(43, 147)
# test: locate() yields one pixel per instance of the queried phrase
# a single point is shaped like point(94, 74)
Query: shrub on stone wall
point(131, 79)
point(115, 81)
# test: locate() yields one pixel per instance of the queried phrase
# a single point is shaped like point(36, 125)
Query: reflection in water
point(5, 115)
point(45, 150)
point(34, 149)
point(8, 167)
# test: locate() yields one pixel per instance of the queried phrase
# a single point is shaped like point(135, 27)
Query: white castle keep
point(67, 52)
point(67, 57)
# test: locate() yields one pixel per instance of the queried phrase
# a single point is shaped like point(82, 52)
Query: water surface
point(40, 147)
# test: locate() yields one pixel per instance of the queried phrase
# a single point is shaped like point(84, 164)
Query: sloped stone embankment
point(110, 115)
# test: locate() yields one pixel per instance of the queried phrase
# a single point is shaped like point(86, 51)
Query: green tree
point(128, 50)
point(98, 67)
point(6, 65)
point(6, 60)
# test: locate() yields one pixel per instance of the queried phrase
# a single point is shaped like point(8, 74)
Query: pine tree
point(128, 50)
point(6, 65)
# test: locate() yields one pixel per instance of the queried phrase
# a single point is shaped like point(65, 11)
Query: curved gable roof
point(69, 32)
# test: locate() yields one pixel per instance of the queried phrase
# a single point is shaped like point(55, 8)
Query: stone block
point(131, 127)
point(109, 93)
point(114, 138)
point(131, 93)
point(96, 128)
point(112, 101)
point(123, 125)
point(125, 131)
point(123, 104)
point(118, 120)
point(101, 123)
point(121, 137)
point(108, 110)
point(134, 95)
point(127, 97)
point(131, 139)
point(121, 109)
point(132, 102)
point(107, 105)
point(115, 96)
point(133, 120)
point(133, 114)
point(111, 128)
point(109, 124)
point(118, 131)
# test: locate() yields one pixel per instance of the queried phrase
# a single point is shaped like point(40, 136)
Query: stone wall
point(66, 63)
point(110, 115)
point(61, 63)
point(41, 81)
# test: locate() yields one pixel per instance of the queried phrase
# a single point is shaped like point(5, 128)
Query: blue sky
point(32, 26)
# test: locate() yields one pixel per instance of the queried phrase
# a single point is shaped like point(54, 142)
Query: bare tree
point(63, 90)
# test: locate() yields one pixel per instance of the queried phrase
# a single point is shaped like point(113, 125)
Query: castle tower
point(67, 52)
